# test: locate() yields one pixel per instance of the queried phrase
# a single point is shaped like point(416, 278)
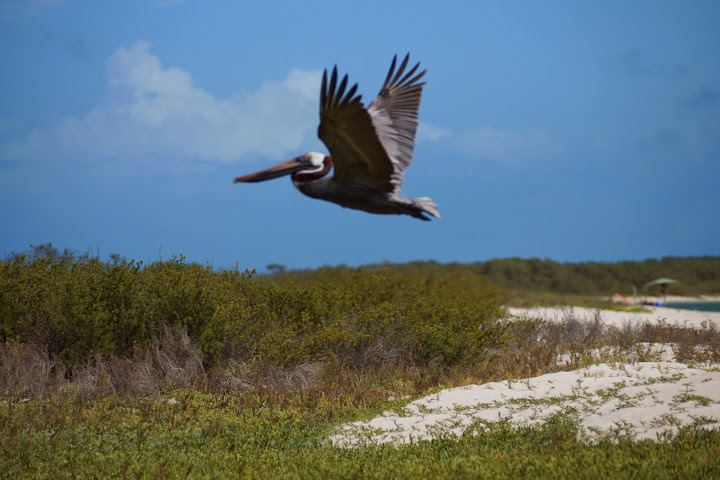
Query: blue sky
point(566, 130)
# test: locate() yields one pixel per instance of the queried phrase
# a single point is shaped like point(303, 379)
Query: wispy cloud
point(158, 112)
point(431, 133)
point(491, 143)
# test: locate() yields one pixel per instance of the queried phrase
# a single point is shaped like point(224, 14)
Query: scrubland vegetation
point(697, 275)
point(119, 369)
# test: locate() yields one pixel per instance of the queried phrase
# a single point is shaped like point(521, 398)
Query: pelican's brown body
point(369, 148)
point(356, 196)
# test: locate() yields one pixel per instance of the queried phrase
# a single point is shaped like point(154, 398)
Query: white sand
point(671, 316)
point(643, 400)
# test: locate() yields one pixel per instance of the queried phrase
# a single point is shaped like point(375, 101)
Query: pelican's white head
point(315, 162)
point(317, 165)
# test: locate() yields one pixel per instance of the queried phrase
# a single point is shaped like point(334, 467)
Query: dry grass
point(369, 378)
point(173, 361)
point(27, 370)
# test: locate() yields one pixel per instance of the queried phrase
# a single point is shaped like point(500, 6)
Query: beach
point(629, 399)
point(672, 316)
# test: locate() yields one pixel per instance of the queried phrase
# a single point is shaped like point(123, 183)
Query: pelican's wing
point(372, 146)
point(394, 113)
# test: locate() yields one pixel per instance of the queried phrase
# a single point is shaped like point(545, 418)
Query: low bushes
point(79, 310)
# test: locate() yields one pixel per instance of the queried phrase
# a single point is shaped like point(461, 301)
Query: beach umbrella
point(661, 281)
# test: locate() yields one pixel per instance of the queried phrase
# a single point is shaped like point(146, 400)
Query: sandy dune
point(637, 399)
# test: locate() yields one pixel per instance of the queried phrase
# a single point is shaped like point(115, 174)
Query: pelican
point(370, 148)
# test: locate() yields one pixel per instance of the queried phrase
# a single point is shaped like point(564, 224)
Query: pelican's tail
point(426, 205)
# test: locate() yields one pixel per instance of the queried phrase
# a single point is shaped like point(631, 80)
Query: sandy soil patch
point(644, 400)
point(672, 316)
point(641, 400)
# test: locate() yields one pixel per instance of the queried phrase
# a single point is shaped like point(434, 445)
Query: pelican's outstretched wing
point(372, 146)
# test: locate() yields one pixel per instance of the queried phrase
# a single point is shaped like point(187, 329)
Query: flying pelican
point(370, 148)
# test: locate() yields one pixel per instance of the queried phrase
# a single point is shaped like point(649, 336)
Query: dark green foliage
point(697, 275)
point(76, 306)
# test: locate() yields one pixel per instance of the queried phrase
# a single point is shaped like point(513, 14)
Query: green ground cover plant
point(113, 368)
point(209, 436)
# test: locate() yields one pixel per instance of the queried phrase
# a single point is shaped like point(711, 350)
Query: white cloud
point(154, 111)
point(431, 133)
point(306, 83)
point(488, 142)
point(157, 112)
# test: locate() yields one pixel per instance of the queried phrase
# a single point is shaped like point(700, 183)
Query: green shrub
point(77, 306)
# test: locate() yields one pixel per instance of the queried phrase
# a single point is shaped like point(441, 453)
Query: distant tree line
point(696, 275)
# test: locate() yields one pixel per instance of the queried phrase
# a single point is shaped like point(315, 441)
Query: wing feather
point(394, 113)
point(372, 146)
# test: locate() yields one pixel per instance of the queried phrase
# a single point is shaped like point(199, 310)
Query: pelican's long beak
point(285, 168)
